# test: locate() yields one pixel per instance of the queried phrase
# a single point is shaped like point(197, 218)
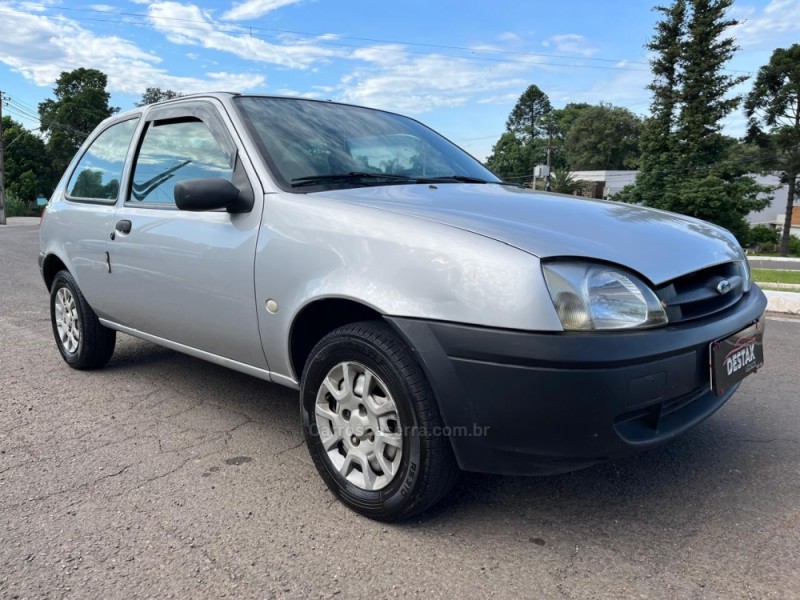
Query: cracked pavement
point(164, 476)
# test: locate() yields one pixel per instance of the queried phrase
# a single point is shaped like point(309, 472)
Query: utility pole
point(533, 136)
point(547, 186)
point(2, 168)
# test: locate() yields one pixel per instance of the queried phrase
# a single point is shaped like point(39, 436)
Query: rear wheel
point(82, 341)
point(372, 424)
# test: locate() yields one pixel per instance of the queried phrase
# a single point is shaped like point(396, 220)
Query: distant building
point(776, 207)
point(611, 182)
point(775, 213)
point(608, 183)
point(795, 228)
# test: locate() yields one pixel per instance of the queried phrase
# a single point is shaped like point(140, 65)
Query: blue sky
point(458, 66)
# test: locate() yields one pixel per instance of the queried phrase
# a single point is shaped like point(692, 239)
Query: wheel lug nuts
point(354, 440)
point(346, 414)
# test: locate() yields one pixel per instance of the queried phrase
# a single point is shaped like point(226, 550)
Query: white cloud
point(40, 47)
point(570, 43)
point(36, 6)
point(416, 84)
point(204, 32)
point(509, 36)
point(623, 88)
point(509, 98)
point(297, 94)
point(253, 9)
point(778, 19)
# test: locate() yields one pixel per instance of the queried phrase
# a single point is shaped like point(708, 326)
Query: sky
point(458, 66)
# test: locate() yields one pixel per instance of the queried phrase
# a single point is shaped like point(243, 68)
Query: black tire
point(427, 468)
point(95, 343)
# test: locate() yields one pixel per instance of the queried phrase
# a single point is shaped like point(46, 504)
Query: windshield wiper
point(334, 177)
point(459, 178)
point(465, 179)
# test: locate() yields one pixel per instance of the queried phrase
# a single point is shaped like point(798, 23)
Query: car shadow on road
point(705, 475)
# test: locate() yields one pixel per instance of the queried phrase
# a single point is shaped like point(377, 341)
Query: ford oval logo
point(724, 286)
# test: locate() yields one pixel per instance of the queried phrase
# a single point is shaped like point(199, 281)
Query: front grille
point(695, 295)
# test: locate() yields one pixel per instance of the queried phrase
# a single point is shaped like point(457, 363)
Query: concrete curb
point(21, 221)
point(783, 302)
point(781, 286)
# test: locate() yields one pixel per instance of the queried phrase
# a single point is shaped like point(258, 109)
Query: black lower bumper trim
point(554, 402)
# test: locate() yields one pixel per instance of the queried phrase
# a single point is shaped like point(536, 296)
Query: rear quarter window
point(99, 172)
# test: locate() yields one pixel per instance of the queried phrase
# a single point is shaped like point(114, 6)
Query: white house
point(775, 213)
point(772, 216)
point(614, 180)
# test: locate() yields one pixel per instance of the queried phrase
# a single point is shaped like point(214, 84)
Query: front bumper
point(537, 403)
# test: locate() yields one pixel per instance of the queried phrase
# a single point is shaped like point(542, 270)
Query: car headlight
point(744, 272)
point(596, 296)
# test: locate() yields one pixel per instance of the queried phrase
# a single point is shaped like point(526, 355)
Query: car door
point(83, 208)
point(187, 277)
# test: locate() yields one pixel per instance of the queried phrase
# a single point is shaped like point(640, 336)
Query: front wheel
point(82, 341)
point(372, 424)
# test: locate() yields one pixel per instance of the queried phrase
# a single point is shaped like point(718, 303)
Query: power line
point(244, 28)
point(382, 49)
point(239, 26)
point(21, 110)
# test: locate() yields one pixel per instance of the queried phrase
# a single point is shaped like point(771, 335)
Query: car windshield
point(311, 145)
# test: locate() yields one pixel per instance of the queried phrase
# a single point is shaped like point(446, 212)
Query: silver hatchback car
point(433, 317)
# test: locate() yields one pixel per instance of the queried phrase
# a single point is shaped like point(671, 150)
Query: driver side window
point(174, 150)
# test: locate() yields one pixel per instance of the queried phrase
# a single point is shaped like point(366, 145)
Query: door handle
point(123, 226)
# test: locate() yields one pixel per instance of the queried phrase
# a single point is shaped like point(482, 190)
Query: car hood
point(657, 244)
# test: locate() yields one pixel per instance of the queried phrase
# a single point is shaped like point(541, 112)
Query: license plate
point(736, 357)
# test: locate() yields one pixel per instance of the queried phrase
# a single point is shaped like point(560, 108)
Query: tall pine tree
point(684, 167)
point(525, 140)
point(773, 107)
point(657, 178)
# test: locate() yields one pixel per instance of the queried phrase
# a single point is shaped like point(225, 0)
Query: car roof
point(226, 97)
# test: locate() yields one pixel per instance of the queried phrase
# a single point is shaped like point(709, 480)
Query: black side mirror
point(211, 193)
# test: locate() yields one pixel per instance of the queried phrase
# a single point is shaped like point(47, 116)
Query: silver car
point(433, 317)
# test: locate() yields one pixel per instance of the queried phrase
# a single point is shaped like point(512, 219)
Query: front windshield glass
point(311, 145)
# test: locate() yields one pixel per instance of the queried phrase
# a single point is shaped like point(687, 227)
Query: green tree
point(684, 164)
point(511, 158)
point(80, 104)
point(750, 155)
point(27, 173)
point(527, 119)
point(705, 87)
point(565, 117)
point(564, 182)
point(562, 120)
point(773, 105)
point(656, 179)
point(153, 94)
point(763, 239)
point(525, 141)
point(89, 184)
point(603, 137)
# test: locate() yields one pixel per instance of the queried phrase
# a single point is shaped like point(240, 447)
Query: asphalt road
point(165, 476)
point(783, 265)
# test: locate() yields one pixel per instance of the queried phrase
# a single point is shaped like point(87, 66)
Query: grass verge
point(772, 276)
